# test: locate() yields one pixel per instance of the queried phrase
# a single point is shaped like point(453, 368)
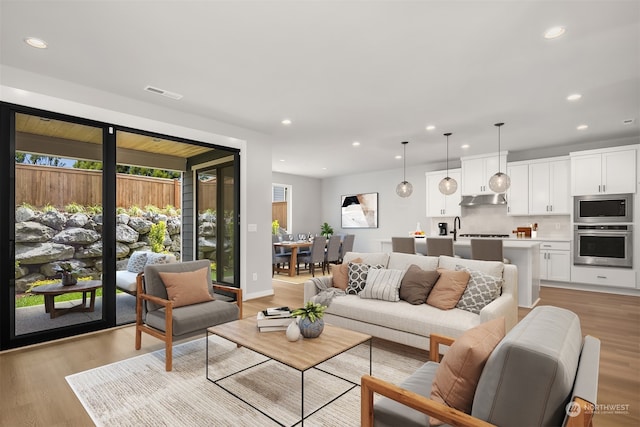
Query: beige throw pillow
point(186, 288)
point(340, 274)
point(457, 376)
point(417, 284)
point(448, 289)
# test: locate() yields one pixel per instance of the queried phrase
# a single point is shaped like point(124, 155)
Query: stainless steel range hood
point(483, 200)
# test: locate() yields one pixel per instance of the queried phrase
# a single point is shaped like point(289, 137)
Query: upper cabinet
point(518, 193)
point(605, 171)
point(476, 171)
point(439, 205)
point(549, 187)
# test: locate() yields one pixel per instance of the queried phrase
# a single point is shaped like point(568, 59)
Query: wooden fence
point(40, 185)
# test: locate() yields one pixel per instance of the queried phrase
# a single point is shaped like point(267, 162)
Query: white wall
point(306, 200)
point(42, 92)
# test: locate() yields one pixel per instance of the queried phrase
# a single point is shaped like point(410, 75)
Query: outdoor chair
point(177, 300)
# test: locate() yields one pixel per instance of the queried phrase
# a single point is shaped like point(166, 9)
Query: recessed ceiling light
point(398, 157)
point(582, 127)
point(282, 160)
point(574, 97)
point(430, 127)
point(355, 143)
point(464, 146)
point(286, 122)
point(554, 32)
point(36, 42)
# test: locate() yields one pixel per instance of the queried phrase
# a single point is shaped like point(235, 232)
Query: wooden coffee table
point(301, 355)
point(87, 287)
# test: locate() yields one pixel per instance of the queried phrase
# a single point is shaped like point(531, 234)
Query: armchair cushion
point(137, 261)
point(458, 374)
point(186, 288)
point(196, 317)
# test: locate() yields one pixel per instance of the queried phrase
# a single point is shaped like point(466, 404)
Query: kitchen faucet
point(455, 229)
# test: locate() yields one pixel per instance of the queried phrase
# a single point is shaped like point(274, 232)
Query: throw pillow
point(137, 261)
point(448, 289)
point(186, 288)
point(358, 277)
point(481, 290)
point(340, 274)
point(456, 378)
point(416, 284)
point(382, 284)
point(158, 258)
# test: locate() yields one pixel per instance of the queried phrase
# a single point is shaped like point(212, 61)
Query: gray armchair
point(157, 316)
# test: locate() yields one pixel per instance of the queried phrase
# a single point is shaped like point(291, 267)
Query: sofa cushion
point(457, 376)
point(340, 274)
point(448, 289)
point(159, 258)
point(420, 320)
point(481, 290)
point(137, 261)
point(186, 288)
point(382, 284)
point(531, 372)
point(416, 284)
point(402, 261)
point(373, 258)
point(492, 268)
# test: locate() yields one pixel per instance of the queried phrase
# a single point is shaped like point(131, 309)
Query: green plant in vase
point(326, 230)
point(69, 275)
point(310, 319)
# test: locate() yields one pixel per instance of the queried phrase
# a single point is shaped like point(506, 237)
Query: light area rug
point(139, 392)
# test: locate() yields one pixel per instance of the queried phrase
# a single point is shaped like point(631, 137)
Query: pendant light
point(404, 189)
point(448, 185)
point(499, 182)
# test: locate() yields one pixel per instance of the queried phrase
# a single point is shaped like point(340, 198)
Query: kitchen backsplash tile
point(494, 220)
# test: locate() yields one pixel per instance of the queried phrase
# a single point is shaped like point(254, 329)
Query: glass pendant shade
point(404, 189)
point(448, 186)
point(499, 182)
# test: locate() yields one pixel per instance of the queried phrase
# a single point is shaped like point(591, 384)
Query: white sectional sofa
point(413, 324)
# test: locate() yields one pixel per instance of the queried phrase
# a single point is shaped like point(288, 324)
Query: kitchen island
point(523, 253)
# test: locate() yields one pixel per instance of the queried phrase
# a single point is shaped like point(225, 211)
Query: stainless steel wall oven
point(603, 245)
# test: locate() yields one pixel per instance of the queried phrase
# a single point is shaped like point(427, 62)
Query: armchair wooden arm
point(370, 385)
point(434, 345)
point(236, 291)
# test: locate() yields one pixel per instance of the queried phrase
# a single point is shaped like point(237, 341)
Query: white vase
point(293, 331)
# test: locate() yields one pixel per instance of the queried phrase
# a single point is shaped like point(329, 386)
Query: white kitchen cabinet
point(606, 171)
point(549, 187)
point(439, 205)
point(477, 170)
point(555, 261)
point(604, 276)
point(518, 193)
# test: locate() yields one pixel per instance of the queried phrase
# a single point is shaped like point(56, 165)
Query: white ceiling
point(376, 72)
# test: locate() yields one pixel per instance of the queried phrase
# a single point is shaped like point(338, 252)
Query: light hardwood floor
point(33, 390)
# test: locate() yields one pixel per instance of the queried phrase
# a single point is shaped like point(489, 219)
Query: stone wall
point(45, 239)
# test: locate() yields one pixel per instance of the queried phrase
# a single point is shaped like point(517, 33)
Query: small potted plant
point(310, 319)
point(68, 273)
point(326, 230)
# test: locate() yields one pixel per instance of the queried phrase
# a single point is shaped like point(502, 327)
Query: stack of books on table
point(274, 319)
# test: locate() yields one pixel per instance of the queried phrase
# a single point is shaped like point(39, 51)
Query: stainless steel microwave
point(603, 208)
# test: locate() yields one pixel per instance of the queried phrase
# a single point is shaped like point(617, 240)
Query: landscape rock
point(24, 283)
point(53, 219)
point(33, 232)
point(24, 214)
point(78, 220)
point(40, 253)
point(141, 225)
point(93, 250)
point(76, 236)
point(126, 234)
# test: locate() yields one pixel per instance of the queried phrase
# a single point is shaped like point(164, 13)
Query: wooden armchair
point(547, 344)
point(157, 316)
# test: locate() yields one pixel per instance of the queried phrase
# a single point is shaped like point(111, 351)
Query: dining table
point(294, 246)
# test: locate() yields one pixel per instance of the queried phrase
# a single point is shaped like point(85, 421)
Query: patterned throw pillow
point(383, 284)
point(137, 261)
point(481, 290)
point(158, 258)
point(358, 277)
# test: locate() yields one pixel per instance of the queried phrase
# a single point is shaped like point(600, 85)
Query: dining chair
point(277, 259)
point(347, 245)
point(405, 245)
point(315, 256)
point(332, 254)
point(487, 250)
point(437, 246)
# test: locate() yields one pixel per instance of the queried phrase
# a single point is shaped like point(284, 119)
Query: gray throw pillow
point(417, 283)
point(481, 290)
point(137, 261)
